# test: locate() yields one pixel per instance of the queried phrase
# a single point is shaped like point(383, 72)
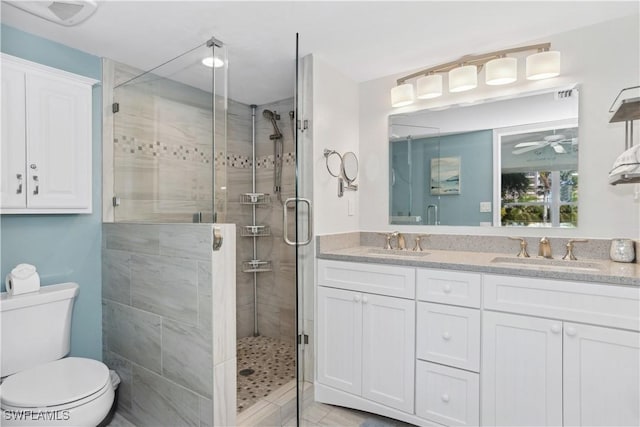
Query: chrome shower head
point(268, 114)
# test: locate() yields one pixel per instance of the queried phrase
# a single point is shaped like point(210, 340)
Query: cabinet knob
point(445, 398)
point(365, 300)
point(555, 328)
point(571, 331)
point(447, 288)
point(446, 336)
point(33, 166)
point(356, 298)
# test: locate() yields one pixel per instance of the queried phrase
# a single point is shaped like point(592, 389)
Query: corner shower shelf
point(255, 199)
point(256, 266)
point(255, 231)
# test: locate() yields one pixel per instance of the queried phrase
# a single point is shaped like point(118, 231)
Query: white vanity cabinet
point(549, 371)
point(490, 350)
point(46, 139)
point(366, 341)
point(448, 347)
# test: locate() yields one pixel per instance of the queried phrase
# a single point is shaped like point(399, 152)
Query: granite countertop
point(585, 270)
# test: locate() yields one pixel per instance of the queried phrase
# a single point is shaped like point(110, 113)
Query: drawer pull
point(447, 288)
point(356, 298)
point(571, 331)
point(555, 328)
point(446, 336)
point(445, 398)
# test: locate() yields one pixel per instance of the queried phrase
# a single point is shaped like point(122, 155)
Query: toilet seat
point(63, 384)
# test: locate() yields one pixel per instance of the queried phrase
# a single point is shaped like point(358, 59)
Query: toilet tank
point(36, 327)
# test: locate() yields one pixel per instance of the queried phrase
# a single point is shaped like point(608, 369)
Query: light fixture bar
point(478, 60)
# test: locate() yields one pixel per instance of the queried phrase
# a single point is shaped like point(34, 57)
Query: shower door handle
point(285, 221)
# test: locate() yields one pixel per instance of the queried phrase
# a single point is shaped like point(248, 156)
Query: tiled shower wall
point(162, 150)
point(163, 165)
point(276, 289)
point(169, 322)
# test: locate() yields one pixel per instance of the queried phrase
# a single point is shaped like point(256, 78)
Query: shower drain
point(246, 372)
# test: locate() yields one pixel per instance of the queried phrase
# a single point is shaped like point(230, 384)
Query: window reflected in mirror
point(539, 178)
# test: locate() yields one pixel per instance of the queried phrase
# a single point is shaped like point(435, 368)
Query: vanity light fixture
point(429, 86)
point(402, 95)
point(543, 65)
point(500, 69)
point(463, 78)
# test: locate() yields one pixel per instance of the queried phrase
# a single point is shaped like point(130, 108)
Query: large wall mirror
point(506, 162)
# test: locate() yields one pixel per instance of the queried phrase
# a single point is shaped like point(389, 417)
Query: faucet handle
point(523, 247)
point(569, 254)
point(418, 246)
point(388, 237)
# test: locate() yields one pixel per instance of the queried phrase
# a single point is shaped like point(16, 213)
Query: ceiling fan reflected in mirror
point(556, 142)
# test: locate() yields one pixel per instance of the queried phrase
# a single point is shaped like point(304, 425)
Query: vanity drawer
point(446, 395)
point(449, 335)
point(601, 304)
point(379, 279)
point(449, 287)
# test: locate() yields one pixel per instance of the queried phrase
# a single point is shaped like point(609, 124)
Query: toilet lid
point(54, 383)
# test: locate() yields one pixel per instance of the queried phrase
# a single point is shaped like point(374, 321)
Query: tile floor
point(316, 415)
point(273, 363)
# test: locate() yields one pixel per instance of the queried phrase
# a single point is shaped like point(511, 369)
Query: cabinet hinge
point(302, 125)
point(115, 201)
point(115, 107)
point(303, 339)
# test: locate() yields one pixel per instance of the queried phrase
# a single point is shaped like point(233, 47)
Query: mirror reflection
point(349, 167)
point(446, 167)
point(539, 177)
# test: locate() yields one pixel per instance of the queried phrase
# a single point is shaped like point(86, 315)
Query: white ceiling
point(363, 39)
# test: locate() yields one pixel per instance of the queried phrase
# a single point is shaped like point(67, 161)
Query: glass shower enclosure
point(185, 151)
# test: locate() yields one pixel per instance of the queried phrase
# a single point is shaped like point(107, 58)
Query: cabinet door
point(521, 371)
point(388, 351)
point(601, 376)
point(58, 143)
point(340, 339)
point(13, 152)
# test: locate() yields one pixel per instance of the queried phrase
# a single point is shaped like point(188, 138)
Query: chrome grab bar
point(285, 234)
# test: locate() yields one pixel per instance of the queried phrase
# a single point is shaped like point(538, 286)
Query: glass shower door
point(169, 139)
point(302, 225)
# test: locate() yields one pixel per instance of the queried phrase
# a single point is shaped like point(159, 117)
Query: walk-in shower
point(184, 150)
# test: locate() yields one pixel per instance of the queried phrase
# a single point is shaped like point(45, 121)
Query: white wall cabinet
point(366, 346)
point(46, 139)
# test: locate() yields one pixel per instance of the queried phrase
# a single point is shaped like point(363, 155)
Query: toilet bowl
point(67, 392)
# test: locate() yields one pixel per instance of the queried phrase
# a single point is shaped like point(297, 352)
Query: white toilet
point(39, 386)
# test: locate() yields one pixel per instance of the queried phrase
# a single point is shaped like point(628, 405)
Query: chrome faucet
point(544, 248)
point(387, 237)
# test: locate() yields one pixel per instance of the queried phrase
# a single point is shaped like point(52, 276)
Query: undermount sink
point(396, 252)
point(554, 264)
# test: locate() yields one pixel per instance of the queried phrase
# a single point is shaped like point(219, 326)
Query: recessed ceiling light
point(212, 62)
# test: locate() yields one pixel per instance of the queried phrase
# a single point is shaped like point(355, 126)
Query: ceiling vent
point(66, 12)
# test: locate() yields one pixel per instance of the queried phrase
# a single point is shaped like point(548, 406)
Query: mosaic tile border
point(131, 146)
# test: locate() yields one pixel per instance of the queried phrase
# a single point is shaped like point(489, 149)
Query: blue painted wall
point(64, 248)
point(475, 150)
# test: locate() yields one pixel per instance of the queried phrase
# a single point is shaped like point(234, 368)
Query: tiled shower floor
point(273, 362)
